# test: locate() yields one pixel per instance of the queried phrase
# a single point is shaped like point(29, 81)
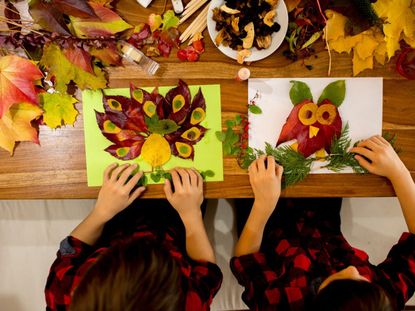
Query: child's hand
point(265, 182)
point(383, 159)
point(115, 194)
point(188, 191)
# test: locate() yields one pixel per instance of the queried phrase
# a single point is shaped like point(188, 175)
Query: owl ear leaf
point(299, 91)
point(335, 92)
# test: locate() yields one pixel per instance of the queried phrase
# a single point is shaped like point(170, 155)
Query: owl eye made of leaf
point(153, 126)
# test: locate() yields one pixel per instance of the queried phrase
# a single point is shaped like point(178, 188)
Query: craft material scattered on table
point(164, 120)
point(135, 55)
point(310, 128)
point(243, 74)
point(198, 25)
point(244, 36)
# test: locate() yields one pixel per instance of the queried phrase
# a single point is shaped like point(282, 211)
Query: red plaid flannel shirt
point(75, 257)
point(286, 274)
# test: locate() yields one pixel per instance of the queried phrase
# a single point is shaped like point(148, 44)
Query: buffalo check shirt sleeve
point(263, 291)
point(398, 269)
point(204, 282)
point(70, 256)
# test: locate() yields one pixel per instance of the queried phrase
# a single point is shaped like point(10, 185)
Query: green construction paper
point(208, 151)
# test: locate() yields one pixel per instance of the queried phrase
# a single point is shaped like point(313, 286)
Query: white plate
point(277, 37)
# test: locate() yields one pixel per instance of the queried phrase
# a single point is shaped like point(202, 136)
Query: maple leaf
point(108, 55)
point(106, 24)
point(58, 109)
point(79, 57)
point(64, 71)
point(365, 45)
point(399, 22)
point(17, 77)
point(51, 14)
point(15, 125)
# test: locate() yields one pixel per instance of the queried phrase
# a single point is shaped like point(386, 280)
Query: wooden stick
point(187, 14)
point(198, 22)
point(191, 4)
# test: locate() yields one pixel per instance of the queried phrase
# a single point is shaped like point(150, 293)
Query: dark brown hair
point(353, 295)
point(130, 276)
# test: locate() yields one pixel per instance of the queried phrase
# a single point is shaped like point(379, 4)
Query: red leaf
point(51, 15)
point(108, 55)
point(17, 76)
point(79, 57)
point(199, 46)
point(182, 89)
point(405, 64)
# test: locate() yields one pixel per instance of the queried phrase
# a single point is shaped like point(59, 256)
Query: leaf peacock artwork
point(153, 126)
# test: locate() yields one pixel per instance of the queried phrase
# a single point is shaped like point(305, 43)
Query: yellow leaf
point(365, 47)
point(399, 22)
point(15, 125)
point(59, 109)
point(360, 64)
point(344, 44)
point(335, 25)
point(156, 150)
point(380, 53)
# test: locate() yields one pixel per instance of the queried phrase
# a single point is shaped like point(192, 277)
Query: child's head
point(136, 275)
point(347, 290)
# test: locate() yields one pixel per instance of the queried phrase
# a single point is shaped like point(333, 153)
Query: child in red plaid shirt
point(149, 256)
point(295, 258)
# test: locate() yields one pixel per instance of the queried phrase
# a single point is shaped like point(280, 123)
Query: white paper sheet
point(361, 108)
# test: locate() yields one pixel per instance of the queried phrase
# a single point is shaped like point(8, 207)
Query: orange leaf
point(15, 125)
point(79, 57)
point(17, 76)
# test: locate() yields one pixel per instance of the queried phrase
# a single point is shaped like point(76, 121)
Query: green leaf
point(155, 177)
point(170, 20)
point(106, 24)
point(238, 119)
point(59, 109)
point(220, 136)
point(64, 71)
point(167, 175)
point(227, 149)
point(299, 91)
point(312, 39)
point(209, 173)
point(254, 109)
point(234, 138)
point(143, 181)
point(335, 92)
point(162, 127)
point(230, 123)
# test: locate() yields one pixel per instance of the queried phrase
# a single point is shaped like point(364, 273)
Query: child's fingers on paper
point(364, 163)
point(382, 141)
point(134, 180)
point(108, 170)
point(137, 192)
point(280, 171)
point(184, 175)
point(125, 174)
point(371, 144)
point(116, 172)
point(167, 189)
point(363, 151)
point(176, 179)
point(193, 177)
point(261, 163)
point(271, 164)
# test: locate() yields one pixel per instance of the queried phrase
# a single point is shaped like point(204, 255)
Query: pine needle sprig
point(340, 158)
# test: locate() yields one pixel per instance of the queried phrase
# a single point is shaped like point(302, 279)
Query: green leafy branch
point(159, 174)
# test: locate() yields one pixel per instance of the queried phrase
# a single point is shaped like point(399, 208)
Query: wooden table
point(56, 169)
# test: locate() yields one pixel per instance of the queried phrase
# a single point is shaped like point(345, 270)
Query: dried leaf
point(170, 20)
point(154, 21)
point(79, 57)
point(399, 22)
point(156, 150)
point(59, 109)
point(51, 14)
point(107, 23)
point(15, 125)
point(64, 71)
point(17, 77)
point(365, 45)
point(108, 55)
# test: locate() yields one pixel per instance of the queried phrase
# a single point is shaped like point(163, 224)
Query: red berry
point(192, 56)
point(182, 55)
point(199, 46)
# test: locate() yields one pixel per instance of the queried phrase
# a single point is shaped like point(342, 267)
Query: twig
point(325, 36)
point(20, 25)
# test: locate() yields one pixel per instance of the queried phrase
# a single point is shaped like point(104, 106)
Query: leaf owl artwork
point(313, 125)
point(152, 126)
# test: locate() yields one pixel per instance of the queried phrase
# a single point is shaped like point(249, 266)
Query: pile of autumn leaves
point(398, 18)
point(30, 97)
